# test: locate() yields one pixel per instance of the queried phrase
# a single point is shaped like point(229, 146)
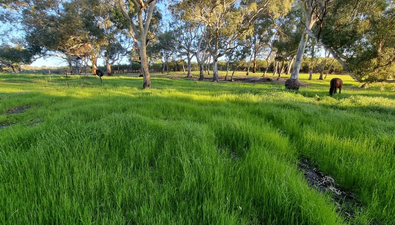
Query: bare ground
point(347, 204)
point(246, 79)
point(19, 109)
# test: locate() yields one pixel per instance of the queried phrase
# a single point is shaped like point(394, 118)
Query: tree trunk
point(166, 65)
point(312, 64)
point(189, 58)
point(275, 68)
point(280, 70)
point(290, 65)
point(144, 64)
point(249, 66)
point(266, 69)
point(71, 70)
point(109, 69)
point(321, 75)
point(93, 60)
point(267, 62)
point(12, 67)
point(254, 62)
point(215, 70)
point(70, 66)
point(329, 69)
point(299, 57)
point(310, 20)
point(208, 62)
point(227, 70)
point(183, 67)
point(163, 67)
point(322, 67)
point(140, 31)
point(293, 81)
point(201, 69)
point(94, 68)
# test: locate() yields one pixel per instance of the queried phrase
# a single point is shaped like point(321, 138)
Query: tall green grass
point(191, 152)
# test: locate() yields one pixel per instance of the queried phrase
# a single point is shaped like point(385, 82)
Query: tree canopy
point(14, 56)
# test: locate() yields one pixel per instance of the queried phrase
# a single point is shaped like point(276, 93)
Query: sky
point(50, 61)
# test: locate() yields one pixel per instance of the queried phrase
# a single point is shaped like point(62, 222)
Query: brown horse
point(336, 83)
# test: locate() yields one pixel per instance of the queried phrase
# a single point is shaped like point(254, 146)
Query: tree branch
point(150, 12)
point(126, 15)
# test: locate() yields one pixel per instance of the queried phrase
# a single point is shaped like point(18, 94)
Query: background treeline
point(179, 66)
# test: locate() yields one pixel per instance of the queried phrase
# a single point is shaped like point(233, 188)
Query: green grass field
point(192, 152)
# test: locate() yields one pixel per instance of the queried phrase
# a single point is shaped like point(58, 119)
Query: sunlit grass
point(191, 152)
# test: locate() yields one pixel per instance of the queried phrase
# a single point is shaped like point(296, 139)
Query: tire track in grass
point(347, 205)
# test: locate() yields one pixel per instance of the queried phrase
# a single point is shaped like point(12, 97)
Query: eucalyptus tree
point(360, 34)
point(67, 28)
point(314, 11)
point(166, 45)
point(236, 56)
point(194, 33)
point(54, 28)
point(228, 21)
point(269, 27)
point(313, 59)
point(323, 64)
point(187, 37)
point(31, 19)
point(287, 37)
point(201, 49)
point(262, 37)
point(139, 15)
point(13, 57)
point(113, 53)
point(93, 36)
point(115, 36)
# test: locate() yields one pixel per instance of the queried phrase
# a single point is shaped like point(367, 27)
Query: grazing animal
point(335, 84)
point(99, 73)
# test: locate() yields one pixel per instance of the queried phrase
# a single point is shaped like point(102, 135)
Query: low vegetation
point(193, 152)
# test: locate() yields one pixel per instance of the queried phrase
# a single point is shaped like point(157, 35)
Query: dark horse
point(336, 83)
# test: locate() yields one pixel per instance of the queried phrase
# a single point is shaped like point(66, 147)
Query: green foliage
point(290, 30)
point(14, 56)
point(362, 33)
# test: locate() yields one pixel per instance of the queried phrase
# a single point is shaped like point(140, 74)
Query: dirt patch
point(253, 79)
point(347, 204)
point(20, 109)
point(3, 125)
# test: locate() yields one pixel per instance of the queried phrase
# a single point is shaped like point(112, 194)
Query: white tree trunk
point(290, 65)
point(299, 57)
point(215, 70)
point(227, 70)
point(189, 58)
point(144, 66)
point(310, 19)
point(140, 32)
